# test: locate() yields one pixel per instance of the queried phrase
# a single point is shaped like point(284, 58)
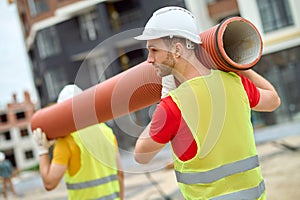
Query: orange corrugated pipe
point(131, 90)
point(234, 44)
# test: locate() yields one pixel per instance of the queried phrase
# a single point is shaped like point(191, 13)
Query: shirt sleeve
point(165, 121)
point(251, 90)
point(61, 152)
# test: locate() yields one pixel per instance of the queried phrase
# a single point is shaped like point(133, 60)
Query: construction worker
point(205, 116)
point(6, 172)
point(88, 159)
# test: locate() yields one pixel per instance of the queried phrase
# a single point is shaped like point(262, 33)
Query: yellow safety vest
point(226, 167)
point(97, 176)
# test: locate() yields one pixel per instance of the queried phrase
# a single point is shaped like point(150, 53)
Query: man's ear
point(178, 50)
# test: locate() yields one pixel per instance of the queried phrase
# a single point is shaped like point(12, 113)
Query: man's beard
point(165, 68)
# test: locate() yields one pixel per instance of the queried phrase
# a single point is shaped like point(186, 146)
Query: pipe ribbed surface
point(131, 90)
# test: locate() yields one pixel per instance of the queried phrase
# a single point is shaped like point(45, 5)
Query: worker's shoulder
point(96, 129)
point(67, 140)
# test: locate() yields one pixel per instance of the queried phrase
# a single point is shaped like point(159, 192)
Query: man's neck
point(190, 69)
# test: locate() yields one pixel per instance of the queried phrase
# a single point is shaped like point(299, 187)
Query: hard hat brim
point(151, 34)
point(146, 37)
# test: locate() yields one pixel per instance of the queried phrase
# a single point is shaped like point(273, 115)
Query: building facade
point(16, 141)
point(64, 40)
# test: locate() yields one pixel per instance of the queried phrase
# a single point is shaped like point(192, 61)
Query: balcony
point(126, 19)
point(219, 9)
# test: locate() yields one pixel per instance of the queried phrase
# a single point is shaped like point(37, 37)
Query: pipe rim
point(219, 40)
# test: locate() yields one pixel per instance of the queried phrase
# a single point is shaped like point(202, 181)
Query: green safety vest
point(226, 167)
point(97, 176)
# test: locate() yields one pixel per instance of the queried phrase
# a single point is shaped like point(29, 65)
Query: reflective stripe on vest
point(248, 194)
point(92, 183)
point(217, 173)
point(110, 197)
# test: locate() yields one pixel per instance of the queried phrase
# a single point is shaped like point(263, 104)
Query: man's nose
point(150, 59)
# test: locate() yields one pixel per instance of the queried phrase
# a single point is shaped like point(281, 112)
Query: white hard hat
point(67, 92)
point(171, 21)
point(2, 156)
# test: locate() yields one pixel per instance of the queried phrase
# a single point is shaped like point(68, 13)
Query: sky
point(15, 70)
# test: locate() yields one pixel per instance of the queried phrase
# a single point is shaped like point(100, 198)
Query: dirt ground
point(281, 168)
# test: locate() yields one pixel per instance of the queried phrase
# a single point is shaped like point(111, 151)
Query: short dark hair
point(170, 41)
